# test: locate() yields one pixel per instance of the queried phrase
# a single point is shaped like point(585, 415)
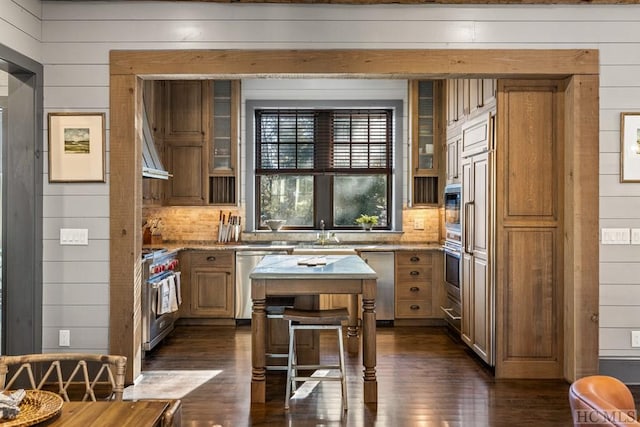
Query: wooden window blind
point(324, 141)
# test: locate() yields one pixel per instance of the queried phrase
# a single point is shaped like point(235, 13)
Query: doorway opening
point(579, 67)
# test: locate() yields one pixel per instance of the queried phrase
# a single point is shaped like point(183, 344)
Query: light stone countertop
point(327, 267)
point(289, 246)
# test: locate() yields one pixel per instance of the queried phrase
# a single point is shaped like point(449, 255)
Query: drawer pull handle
point(211, 258)
point(415, 273)
point(414, 289)
point(415, 307)
point(415, 259)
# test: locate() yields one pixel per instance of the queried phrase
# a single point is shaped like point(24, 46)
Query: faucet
point(324, 237)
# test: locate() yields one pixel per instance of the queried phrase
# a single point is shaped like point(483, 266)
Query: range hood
point(151, 163)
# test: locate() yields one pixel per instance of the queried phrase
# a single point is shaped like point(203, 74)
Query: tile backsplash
point(200, 223)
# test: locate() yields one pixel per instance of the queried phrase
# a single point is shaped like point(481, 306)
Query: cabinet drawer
point(413, 308)
point(413, 258)
point(413, 291)
point(414, 273)
point(212, 259)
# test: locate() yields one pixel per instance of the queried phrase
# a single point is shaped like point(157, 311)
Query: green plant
point(367, 219)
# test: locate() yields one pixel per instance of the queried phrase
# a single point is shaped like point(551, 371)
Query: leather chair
point(601, 400)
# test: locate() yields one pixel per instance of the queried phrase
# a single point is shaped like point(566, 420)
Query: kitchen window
point(324, 164)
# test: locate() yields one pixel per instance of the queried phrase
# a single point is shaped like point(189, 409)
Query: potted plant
point(367, 221)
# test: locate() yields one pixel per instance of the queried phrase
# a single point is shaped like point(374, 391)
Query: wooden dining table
point(303, 275)
point(139, 413)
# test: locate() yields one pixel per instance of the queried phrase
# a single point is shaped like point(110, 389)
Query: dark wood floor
point(424, 379)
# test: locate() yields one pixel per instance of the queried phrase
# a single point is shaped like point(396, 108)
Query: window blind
point(324, 141)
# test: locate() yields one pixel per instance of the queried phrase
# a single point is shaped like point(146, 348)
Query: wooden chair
point(601, 400)
point(67, 374)
point(314, 320)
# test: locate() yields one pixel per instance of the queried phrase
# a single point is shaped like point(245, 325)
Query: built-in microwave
point(452, 202)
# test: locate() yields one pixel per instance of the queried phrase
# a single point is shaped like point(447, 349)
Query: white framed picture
point(76, 147)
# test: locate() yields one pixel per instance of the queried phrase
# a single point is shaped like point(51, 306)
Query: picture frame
point(630, 147)
point(76, 147)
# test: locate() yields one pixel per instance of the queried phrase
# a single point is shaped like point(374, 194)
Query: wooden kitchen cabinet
point(453, 159)
point(418, 284)
point(224, 142)
point(201, 122)
point(208, 289)
point(427, 135)
point(186, 160)
point(186, 131)
point(186, 109)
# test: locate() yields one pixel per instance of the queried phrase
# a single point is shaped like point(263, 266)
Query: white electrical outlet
point(64, 338)
point(635, 236)
point(635, 338)
point(418, 224)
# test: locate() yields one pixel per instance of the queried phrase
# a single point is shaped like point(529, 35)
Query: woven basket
point(36, 407)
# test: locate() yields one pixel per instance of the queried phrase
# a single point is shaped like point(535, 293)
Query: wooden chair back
point(66, 373)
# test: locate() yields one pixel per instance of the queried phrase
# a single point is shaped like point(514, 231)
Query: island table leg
point(258, 331)
point(352, 326)
point(369, 341)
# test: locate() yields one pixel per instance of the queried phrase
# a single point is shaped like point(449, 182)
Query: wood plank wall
point(76, 79)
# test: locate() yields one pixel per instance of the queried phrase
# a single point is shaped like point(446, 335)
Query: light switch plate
point(635, 236)
point(64, 338)
point(74, 236)
point(418, 224)
point(616, 236)
point(635, 338)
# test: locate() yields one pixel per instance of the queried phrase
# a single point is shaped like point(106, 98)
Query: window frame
point(394, 186)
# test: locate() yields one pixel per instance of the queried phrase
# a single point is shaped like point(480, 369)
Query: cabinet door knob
point(414, 289)
point(415, 307)
point(415, 273)
point(415, 259)
point(211, 258)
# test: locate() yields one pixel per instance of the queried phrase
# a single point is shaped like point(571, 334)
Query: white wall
point(20, 26)
point(78, 36)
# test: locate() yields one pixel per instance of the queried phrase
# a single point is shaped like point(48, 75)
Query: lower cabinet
point(419, 289)
point(208, 284)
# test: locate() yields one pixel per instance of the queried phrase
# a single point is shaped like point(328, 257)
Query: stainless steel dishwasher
point(383, 263)
point(245, 262)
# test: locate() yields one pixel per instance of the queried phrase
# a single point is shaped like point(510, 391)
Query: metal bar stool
point(275, 310)
point(314, 320)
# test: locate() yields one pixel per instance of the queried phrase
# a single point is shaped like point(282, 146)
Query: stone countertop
point(307, 267)
point(289, 246)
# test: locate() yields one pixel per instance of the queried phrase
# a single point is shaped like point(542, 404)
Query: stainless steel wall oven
point(453, 254)
point(160, 295)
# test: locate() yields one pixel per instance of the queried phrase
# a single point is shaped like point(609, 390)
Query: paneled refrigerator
point(478, 231)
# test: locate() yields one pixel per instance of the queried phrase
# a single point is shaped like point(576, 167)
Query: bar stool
point(275, 310)
point(314, 320)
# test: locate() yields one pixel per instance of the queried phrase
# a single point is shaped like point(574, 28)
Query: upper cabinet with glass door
point(425, 101)
point(224, 141)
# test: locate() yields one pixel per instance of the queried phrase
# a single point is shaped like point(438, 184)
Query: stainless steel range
point(160, 295)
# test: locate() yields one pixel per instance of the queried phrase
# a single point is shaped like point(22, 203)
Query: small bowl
point(275, 224)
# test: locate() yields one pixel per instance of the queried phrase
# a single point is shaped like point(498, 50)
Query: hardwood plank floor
point(425, 378)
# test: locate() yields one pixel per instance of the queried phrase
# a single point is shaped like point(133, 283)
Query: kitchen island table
point(298, 275)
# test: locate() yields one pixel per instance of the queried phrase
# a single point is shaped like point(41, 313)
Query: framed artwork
point(76, 147)
point(629, 147)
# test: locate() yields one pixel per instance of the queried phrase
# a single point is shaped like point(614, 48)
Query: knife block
point(156, 239)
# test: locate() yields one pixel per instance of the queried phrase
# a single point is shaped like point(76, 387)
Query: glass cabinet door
point(221, 150)
point(425, 125)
